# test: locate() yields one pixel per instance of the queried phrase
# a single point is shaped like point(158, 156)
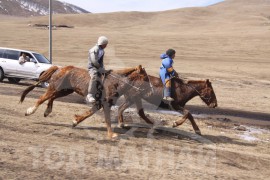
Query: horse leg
point(107, 110)
point(141, 111)
point(79, 118)
point(194, 125)
point(187, 115)
point(31, 110)
point(49, 107)
point(121, 109)
point(58, 94)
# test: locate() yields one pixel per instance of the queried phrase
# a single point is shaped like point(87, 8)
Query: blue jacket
point(166, 69)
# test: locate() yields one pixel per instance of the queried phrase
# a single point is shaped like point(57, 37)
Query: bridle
point(200, 94)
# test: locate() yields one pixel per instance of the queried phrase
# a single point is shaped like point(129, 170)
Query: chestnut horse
point(182, 92)
point(69, 79)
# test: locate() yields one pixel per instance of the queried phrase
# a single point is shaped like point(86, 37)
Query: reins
point(137, 88)
point(118, 78)
point(151, 85)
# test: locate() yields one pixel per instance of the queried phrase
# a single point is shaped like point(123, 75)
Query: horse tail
point(27, 90)
point(44, 77)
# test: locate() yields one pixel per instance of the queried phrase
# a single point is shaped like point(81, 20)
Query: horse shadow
point(157, 133)
point(24, 83)
point(227, 140)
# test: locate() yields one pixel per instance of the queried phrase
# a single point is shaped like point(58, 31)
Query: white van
point(11, 68)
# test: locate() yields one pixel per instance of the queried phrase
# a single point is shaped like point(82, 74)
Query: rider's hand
point(175, 74)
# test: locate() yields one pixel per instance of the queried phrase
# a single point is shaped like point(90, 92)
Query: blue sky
point(101, 6)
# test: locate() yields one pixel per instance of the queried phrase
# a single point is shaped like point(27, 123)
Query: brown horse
point(69, 79)
point(182, 92)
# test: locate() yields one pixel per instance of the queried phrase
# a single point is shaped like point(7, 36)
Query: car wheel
point(2, 76)
point(45, 84)
point(14, 80)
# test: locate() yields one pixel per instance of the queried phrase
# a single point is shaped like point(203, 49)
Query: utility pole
point(50, 31)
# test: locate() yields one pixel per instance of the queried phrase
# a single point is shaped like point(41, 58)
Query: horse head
point(142, 74)
point(137, 78)
point(140, 79)
point(208, 95)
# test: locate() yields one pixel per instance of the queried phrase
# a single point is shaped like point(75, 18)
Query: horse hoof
point(30, 111)
point(74, 123)
point(113, 136)
point(174, 124)
point(198, 132)
point(120, 125)
point(27, 113)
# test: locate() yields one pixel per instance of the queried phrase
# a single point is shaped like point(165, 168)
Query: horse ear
point(139, 68)
point(207, 82)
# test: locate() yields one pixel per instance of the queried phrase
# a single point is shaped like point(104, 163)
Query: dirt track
point(254, 118)
point(49, 148)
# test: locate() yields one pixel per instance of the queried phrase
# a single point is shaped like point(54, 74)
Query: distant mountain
point(37, 8)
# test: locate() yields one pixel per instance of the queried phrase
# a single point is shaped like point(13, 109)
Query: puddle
point(251, 131)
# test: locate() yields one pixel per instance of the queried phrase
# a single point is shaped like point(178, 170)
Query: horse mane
point(124, 71)
point(195, 81)
point(179, 80)
point(127, 71)
point(183, 84)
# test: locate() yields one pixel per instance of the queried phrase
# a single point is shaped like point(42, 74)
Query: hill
point(232, 28)
point(228, 15)
point(234, 31)
point(37, 8)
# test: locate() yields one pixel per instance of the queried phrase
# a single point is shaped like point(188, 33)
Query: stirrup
point(168, 98)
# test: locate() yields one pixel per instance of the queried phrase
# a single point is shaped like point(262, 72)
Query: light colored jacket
point(95, 57)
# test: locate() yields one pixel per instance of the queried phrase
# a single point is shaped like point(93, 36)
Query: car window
point(11, 54)
point(1, 52)
point(27, 54)
point(41, 58)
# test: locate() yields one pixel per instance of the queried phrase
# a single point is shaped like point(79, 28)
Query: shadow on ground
point(160, 133)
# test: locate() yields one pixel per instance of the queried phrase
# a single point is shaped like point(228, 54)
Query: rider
point(95, 65)
point(166, 72)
